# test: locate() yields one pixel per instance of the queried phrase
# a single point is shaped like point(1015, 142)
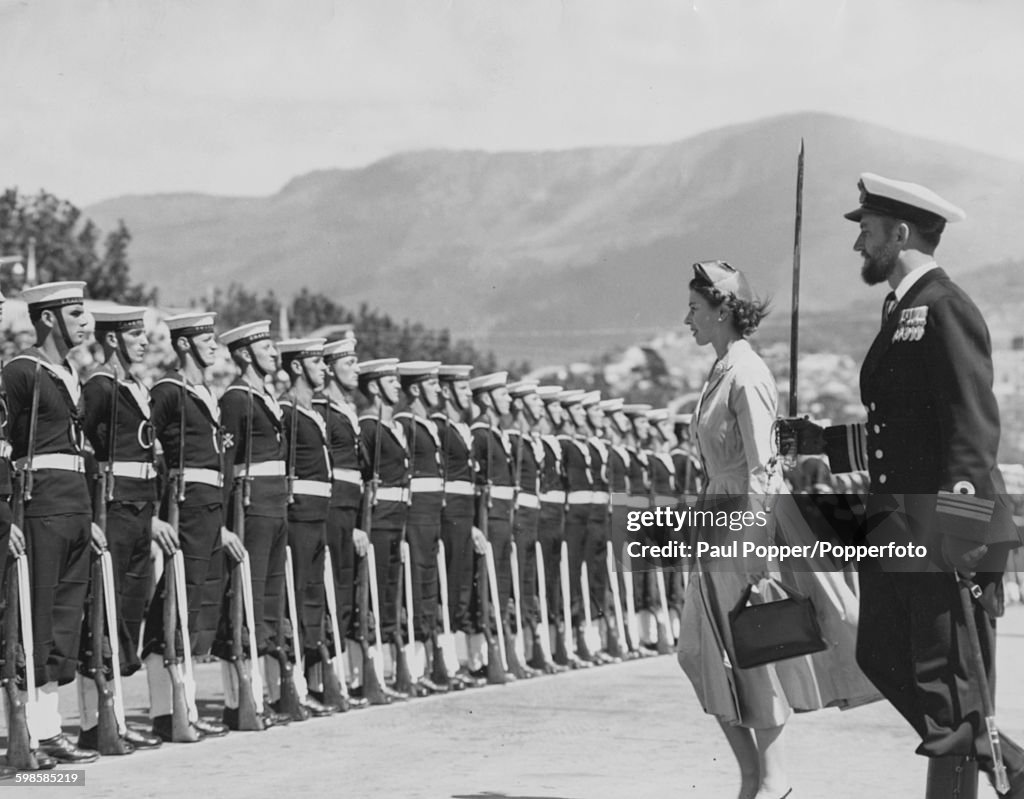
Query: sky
point(101, 98)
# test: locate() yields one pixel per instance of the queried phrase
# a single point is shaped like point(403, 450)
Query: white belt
point(393, 494)
point(557, 496)
point(55, 460)
point(262, 469)
point(666, 499)
point(311, 488)
point(502, 492)
point(427, 485)
point(210, 477)
point(527, 501)
point(138, 470)
point(600, 498)
point(348, 476)
point(639, 501)
point(580, 497)
point(462, 488)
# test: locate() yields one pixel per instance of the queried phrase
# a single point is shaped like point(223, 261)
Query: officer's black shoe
point(318, 709)
point(140, 739)
point(90, 739)
point(211, 729)
point(357, 702)
point(577, 663)
point(231, 720)
point(62, 750)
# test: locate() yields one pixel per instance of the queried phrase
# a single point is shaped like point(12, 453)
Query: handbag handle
point(789, 591)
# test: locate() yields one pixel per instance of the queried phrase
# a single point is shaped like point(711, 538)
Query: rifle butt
point(19, 741)
point(439, 671)
point(373, 692)
point(249, 718)
point(403, 677)
point(108, 736)
point(182, 730)
point(333, 694)
point(515, 662)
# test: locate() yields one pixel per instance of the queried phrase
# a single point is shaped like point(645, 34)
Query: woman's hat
point(725, 278)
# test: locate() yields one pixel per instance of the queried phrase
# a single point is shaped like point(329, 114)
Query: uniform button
point(872, 406)
point(882, 478)
point(878, 453)
point(877, 429)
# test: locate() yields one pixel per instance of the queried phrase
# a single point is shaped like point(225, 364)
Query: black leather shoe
point(90, 740)
point(357, 702)
point(473, 679)
point(393, 694)
point(140, 739)
point(163, 728)
point(433, 687)
point(272, 719)
point(211, 729)
point(43, 761)
point(63, 751)
point(301, 714)
point(318, 709)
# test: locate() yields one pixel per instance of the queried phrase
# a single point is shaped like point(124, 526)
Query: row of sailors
point(341, 549)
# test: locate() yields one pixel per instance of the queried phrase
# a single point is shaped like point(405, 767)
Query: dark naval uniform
point(130, 500)
point(579, 493)
point(201, 512)
point(457, 519)
point(932, 436)
point(306, 440)
point(58, 521)
point(388, 513)
point(598, 524)
point(423, 530)
point(492, 454)
point(254, 434)
point(347, 459)
point(551, 522)
point(528, 457)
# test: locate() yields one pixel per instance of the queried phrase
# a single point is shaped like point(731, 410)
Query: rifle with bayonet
point(290, 702)
point(488, 593)
point(335, 687)
point(373, 666)
point(514, 644)
point(443, 643)
point(177, 665)
point(249, 705)
point(403, 592)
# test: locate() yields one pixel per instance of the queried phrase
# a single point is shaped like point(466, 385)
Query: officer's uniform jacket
point(932, 432)
point(253, 417)
point(134, 473)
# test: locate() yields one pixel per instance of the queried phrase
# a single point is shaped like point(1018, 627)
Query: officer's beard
point(877, 268)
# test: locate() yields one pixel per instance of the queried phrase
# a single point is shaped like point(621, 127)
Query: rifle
point(969, 590)
point(495, 650)
point(290, 702)
point(590, 635)
point(249, 716)
point(20, 754)
point(566, 646)
point(181, 726)
point(403, 593)
point(106, 484)
point(373, 666)
point(794, 329)
point(109, 740)
point(335, 687)
point(632, 628)
point(616, 634)
point(444, 644)
point(542, 643)
point(666, 641)
point(516, 652)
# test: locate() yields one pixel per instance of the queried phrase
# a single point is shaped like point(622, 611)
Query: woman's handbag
point(777, 630)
